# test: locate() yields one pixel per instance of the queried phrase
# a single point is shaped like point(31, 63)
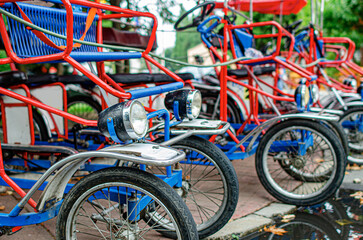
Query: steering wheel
point(206, 9)
point(302, 29)
point(293, 26)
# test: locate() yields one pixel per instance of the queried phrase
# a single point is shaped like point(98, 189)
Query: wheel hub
point(298, 162)
point(185, 188)
point(128, 230)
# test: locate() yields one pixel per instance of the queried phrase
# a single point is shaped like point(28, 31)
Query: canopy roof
point(267, 6)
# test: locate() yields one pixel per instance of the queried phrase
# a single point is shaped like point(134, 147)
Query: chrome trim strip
point(206, 131)
point(329, 111)
point(354, 103)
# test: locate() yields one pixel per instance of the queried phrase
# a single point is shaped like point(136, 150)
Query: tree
point(184, 41)
point(344, 18)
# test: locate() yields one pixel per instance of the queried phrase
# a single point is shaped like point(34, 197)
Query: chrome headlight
point(314, 92)
point(302, 96)
point(350, 81)
point(189, 102)
point(124, 121)
point(359, 89)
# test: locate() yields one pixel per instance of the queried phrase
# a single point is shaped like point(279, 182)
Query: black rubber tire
point(351, 110)
point(85, 99)
point(143, 180)
point(226, 169)
point(232, 108)
point(299, 227)
point(41, 126)
point(339, 131)
point(335, 213)
point(337, 149)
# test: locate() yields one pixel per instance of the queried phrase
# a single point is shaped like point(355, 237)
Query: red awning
point(267, 6)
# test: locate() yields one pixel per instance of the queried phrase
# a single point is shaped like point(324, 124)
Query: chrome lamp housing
point(302, 96)
point(124, 121)
point(184, 103)
point(314, 93)
point(351, 82)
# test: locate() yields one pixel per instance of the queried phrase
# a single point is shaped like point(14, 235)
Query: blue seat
point(242, 41)
point(26, 44)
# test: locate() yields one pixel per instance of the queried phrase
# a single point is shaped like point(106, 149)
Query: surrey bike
point(209, 183)
point(313, 48)
point(113, 202)
point(293, 151)
point(253, 91)
point(342, 96)
point(346, 96)
point(34, 152)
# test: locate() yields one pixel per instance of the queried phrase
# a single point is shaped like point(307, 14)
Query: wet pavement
point(259, 216)
point(339, 218)
point(334, 219)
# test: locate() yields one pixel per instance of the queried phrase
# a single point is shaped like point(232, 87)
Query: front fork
point(307, 141)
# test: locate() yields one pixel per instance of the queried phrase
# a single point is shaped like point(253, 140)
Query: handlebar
point(201, 27)
point(139, 93)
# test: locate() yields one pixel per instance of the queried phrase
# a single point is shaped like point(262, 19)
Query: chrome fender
point(151, 154)
point(264, 126)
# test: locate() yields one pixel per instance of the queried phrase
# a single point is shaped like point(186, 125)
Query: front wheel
point(112, 204)
point(313, 156)
point(210, 184)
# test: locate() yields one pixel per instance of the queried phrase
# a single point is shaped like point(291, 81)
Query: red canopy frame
point(267, 6)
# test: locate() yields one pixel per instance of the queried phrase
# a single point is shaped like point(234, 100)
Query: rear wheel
point(313, 162)
point(83, 106)
point(338, 129)
point(112, 204)
point(211, 108)
point(40, 128)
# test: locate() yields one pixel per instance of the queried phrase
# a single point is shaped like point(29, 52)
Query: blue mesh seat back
point(242, 40)
point(26, 44)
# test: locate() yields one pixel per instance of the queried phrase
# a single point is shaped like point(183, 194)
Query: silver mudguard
point(355, 104)
point(328, 111)
point(143, 153)
point(350, 95)
point(306, 115)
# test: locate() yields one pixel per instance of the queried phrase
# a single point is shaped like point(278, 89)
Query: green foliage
point(184, 41)
point(163, 7)
point(4, 67)
point(344, 18)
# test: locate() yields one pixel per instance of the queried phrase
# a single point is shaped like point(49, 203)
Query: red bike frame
point(102, 80)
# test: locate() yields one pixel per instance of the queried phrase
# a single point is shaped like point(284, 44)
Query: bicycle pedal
point(221, 141)
point(9, 230)
point(14, 230)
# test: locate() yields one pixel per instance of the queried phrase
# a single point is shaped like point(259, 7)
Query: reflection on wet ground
point(339, 218)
